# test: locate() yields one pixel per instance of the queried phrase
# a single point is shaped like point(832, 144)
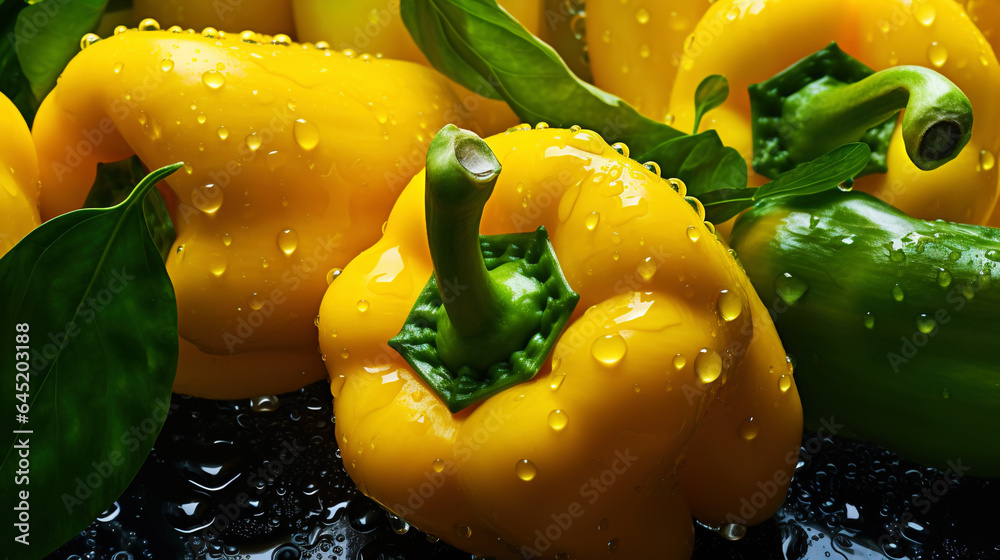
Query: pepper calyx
point(830, 98)
point(490, 314)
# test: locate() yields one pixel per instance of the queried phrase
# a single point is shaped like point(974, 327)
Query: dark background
point(848, 499)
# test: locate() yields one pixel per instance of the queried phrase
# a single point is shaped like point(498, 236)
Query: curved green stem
point(825, 114)
point(461, 173)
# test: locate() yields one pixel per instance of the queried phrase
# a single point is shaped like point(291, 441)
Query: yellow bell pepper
point(986, 15)
point(750, 41)
point(668, 395)
point(264, 16)
point(18, 177)
point(376, 26)
point(293, 157)
point(636, 50)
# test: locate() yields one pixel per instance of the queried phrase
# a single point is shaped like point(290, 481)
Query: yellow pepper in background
point(749, 42)
point(376, 27)
point(263, 16)
point(636, 49)
point(668, 395)
point(293, 158)
point(18, 178)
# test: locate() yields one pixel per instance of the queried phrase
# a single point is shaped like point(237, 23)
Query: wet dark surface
point(226, 481)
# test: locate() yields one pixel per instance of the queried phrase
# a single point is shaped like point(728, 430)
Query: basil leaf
point(825, 172)
point(711, 92)
point(479, 45)
point(723, 205)
point(114, 183)
point(91, 293)
point(47, 35)
point(701, 161)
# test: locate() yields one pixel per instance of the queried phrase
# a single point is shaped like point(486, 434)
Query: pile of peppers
point(537, 346)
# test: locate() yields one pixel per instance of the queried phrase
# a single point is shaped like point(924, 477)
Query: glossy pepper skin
point(263, 16)
point(649, 384)
point(635, 49)
point(293, 157)
point(934, 33)
point(892, 320)
point(376, 26)
point(18, 178)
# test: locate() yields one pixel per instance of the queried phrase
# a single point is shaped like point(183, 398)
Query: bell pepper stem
point(461, 173)
point(937, 123)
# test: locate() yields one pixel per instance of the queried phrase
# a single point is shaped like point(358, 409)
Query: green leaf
point(479, 45)
point(13, 84)
point(92, 292)
point(711, 92)
point(823, 173)
point(47, 36)
point(701, 161)
point(114, 183)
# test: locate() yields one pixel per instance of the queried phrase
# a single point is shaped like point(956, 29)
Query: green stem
point(936, 126)
point(461, 173)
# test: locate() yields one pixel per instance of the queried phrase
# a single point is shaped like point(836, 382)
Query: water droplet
point(945, 394)
point(591, 221)
point(644, 51)
point(652, 167)
point(869, 320)
point(209, 32)
point(207, 198)
point(541, 126)
point(897, 292)
point(609, 349)
point(525, 470)
point(264, 263)
point(281, 39)
point(267, 403)
point(217, 264)
point(213, 79)
point(616, 239)
point(437, 465)
point(789, 288)
point(784, 382)
point(119, 29)
point(345, 353)
point(89, 39)
point(708, 365)
point(621, 148)
point(463, 531)
point(256, 302)
point(642, 16)
point(275, 160)
point(306, 134)
point(944, 277)
point(223, 133)
point(119, 66)
point(846, 186)
point(925, 323)
point(938, 54)
point(166, 65)
point(730, 305)
point(733, 13)
point(986, 160)
point(558, 419)
point(679, 362)
point(732, 531)
point(697, 206)
point(693, 233)
point(613, 546)
point(647, 269)
point(227, 239)
point(252, 141)
point(926, 14)
point(748, 429)
point(332, 275)
point(288, 241)
point(201, 118)
point(362, 305)
point(557, 380)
